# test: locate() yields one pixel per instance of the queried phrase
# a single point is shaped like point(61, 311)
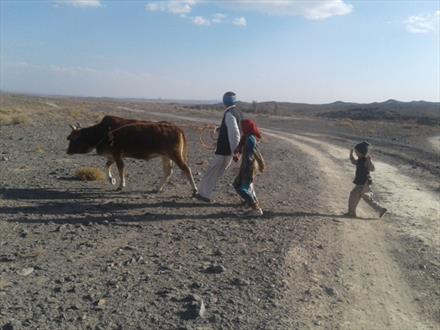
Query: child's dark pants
point(245, 188)
point(362, 192)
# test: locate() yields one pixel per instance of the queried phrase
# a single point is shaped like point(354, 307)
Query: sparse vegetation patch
point(3, 284)
point(12, 117)
point(89, 174)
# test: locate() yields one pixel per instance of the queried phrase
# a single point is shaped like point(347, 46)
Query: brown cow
point(117, 138)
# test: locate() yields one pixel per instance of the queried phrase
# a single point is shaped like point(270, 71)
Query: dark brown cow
point(116, 138)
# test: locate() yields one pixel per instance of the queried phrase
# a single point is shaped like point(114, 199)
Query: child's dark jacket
point(362, 171)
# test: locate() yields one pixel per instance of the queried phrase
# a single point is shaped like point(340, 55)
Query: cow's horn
point(72, 127)
point(78, 125)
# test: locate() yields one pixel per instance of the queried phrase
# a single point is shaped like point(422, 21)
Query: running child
point(362, 181)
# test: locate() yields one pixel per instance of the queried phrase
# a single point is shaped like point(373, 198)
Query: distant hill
point(107, 98)
point(420, 111)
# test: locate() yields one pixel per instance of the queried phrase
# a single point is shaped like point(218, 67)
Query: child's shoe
point(382, 213)
point(349, 215)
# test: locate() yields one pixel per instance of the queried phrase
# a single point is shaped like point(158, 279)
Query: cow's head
point(78, 144)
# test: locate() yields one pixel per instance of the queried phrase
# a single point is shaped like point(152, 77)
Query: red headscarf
point(250, 127)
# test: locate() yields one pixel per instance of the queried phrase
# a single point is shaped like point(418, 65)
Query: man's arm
point(233, 131)
point(352, 159)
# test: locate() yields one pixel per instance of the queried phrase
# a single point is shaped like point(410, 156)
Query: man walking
point(228, 139)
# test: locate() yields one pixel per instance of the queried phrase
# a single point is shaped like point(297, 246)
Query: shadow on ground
point(95, 205)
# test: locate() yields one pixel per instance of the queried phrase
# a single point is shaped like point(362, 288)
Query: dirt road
point(435, 142)
point(379, 295)
point(77, 254)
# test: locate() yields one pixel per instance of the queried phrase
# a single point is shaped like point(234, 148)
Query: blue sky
point(283, 50)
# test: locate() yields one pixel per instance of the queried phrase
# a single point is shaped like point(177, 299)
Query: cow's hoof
point(157, 190)
point(112, 181)
point(195, 193)
point(119, 188)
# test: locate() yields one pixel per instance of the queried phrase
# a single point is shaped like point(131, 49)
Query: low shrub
point(348, 123)
point(90, 174)
point(19, 119)
point(9, 118)
point(39, 149)
point(4, 284)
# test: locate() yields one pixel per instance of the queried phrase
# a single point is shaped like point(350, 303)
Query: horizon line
point(198, 101)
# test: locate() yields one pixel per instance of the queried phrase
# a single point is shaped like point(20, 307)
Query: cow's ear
point(73, 127)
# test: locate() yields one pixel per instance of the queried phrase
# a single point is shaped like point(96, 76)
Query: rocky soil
point(76, 254)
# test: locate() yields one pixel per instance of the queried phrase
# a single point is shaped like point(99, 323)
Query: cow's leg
point(121, 169)
point(167, 171)
point(177, 158)
point(108, 168)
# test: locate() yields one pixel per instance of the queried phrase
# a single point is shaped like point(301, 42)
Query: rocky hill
point(419, 111)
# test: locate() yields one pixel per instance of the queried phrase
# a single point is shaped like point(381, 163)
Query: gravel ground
point(76, 254)
point(80, 255)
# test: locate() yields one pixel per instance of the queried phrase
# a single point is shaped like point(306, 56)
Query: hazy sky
point(284, 50)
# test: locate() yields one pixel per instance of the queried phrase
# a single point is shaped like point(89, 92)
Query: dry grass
point(39, 149)
point(20, 119)
point(38, 252)
point(84, 115)
point(90, 174)
point(348, 123)
point(55, 115)
point(5, 116)
point(410, 126)
point(96, 117)
point(3, 284)
point(13, 117)
point(76, 114)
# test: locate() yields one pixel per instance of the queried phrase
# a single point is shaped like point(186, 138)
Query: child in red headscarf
point(250, 162)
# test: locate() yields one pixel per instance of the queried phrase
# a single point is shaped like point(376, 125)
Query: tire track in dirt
point(434, 141)
point(379, 296)
point(413, 204)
